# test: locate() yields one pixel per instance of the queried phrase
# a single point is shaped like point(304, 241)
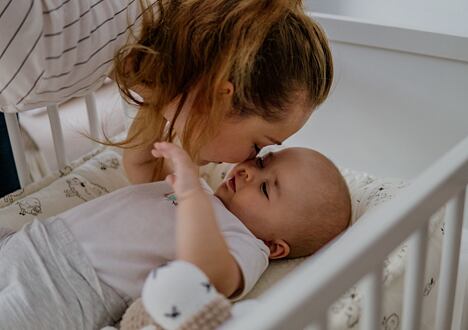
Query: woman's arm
point(199, 240)
point(139, 163)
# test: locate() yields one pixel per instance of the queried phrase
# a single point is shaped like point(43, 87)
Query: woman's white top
point(130, 231)
point(53, 50)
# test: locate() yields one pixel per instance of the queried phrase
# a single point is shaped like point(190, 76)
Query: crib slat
point(57, 135)
point(464, 306)
point(449, 262)
point(372, 300)
point(14, 133)
point(93, 116)
point(414, 279)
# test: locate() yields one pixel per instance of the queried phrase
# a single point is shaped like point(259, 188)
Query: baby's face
point(263, 191)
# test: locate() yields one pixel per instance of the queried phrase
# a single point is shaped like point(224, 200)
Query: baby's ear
point(279, 248)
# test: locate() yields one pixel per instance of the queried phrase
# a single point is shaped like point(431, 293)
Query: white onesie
point(128, 232)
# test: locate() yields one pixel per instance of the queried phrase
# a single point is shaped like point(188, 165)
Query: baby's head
point(295, 200)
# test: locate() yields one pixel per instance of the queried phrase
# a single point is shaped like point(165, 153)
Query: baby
point(83, 267)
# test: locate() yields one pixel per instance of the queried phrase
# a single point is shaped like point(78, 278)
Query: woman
point(226, 77)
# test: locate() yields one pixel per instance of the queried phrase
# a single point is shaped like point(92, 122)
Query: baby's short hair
point(328, 213)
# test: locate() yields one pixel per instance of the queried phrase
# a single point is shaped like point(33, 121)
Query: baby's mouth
point(232, 183)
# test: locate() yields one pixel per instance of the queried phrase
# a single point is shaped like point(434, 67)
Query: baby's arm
point(198, 238)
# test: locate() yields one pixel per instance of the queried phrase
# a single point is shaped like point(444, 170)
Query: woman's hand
point(184, 180)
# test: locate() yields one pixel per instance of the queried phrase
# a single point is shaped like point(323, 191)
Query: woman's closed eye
point(257, 149)
point(260, 161)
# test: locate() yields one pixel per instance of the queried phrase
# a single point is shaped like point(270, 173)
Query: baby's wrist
point(190, 193)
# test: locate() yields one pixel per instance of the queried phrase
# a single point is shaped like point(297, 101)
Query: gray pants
point(47, 282)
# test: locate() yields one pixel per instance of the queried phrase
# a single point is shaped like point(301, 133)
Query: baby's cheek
point(245, 203)
point(247, 210)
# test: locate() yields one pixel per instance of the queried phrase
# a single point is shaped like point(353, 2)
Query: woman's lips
point(232, 183)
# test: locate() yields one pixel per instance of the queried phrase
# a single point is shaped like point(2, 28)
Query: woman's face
point(241, 139)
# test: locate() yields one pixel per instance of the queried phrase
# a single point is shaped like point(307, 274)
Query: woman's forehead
point(291, 123)
point(277, 131)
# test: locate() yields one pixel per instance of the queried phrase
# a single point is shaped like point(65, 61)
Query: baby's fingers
point(167, 149)
point(175, 153)
point(157, 153)
point(171, 180)
point(185, 176)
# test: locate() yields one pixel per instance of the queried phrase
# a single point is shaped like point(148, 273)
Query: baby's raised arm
point(198, 237)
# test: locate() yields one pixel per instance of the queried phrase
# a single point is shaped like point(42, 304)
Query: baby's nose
point(247, 174)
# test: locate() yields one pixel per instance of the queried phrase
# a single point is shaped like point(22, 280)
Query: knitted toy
point(177, 296)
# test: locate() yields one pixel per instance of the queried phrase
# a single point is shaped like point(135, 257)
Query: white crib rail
point(414, 278)
point(449, 263)
point(303, 297)
point(57, 135)
point(14, 133)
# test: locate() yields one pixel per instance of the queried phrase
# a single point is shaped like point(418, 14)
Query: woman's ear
point(279, 248)
point(227, 88)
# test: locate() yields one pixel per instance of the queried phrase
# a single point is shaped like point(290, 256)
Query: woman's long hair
point(268, 49)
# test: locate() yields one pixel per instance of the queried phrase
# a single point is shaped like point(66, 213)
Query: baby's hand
point(184, 180)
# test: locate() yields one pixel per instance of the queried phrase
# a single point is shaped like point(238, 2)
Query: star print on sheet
point(173, 314)
point(171, 197)
point(207, 285)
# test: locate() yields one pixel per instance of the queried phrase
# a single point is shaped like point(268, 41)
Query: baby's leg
point(23, 280)
point(46, 283)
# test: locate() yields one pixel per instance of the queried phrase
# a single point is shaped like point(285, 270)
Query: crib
point(296, 301)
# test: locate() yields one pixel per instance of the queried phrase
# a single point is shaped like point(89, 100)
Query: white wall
point(389, 113)
point(445, 16)
point(393, 109)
